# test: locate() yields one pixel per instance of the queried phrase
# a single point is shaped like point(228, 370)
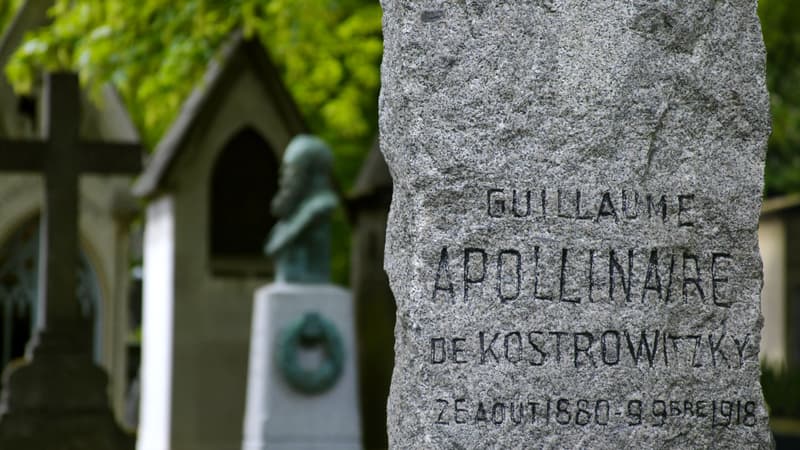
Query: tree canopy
point(156, 51)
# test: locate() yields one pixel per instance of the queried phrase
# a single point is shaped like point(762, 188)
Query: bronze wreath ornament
point(309, 331)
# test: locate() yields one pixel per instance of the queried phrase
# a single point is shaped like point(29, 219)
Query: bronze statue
point(300, 242)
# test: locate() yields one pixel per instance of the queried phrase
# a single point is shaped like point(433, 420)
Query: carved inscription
point(603, 275)
point(543, 273)
point(600, 206)
point(602, 412)
point(653, 349)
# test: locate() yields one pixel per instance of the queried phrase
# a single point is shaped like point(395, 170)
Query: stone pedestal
point(279, 415)
point(59, 398)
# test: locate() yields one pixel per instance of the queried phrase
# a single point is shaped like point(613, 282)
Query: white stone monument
point(302, 383)
point(209, 184)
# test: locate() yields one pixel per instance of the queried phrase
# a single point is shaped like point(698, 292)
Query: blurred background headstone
point(56, 396)
point(106, 213)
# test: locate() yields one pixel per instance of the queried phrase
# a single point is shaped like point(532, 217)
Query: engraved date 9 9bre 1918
point(633, 412)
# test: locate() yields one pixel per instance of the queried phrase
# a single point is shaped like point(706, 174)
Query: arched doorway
point(244, 180)
point(19, 264)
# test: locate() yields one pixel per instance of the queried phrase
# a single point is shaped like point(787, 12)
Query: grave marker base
point(58, 398)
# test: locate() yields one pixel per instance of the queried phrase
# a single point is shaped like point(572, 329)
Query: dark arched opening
point(244, 180)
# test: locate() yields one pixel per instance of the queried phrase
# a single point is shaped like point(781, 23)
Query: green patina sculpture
point(300, 242)
point(311, 330)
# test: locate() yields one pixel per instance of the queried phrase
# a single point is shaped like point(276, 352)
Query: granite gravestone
point(572, 239)
point(301, 387)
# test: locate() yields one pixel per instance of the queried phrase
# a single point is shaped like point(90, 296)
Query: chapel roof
point(239, 55)
point(31, 14)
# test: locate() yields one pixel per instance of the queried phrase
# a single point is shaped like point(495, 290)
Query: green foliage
point(780, 19)
point(7, 10)
point(156, 51)
point(781, 390)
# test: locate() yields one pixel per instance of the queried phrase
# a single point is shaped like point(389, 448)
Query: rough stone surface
point(621, 310)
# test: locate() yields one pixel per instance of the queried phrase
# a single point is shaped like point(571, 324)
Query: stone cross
point(572, 241)
point(61, 156)
point(61, 346)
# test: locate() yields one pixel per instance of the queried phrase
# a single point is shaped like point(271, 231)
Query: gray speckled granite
point(572, 241)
